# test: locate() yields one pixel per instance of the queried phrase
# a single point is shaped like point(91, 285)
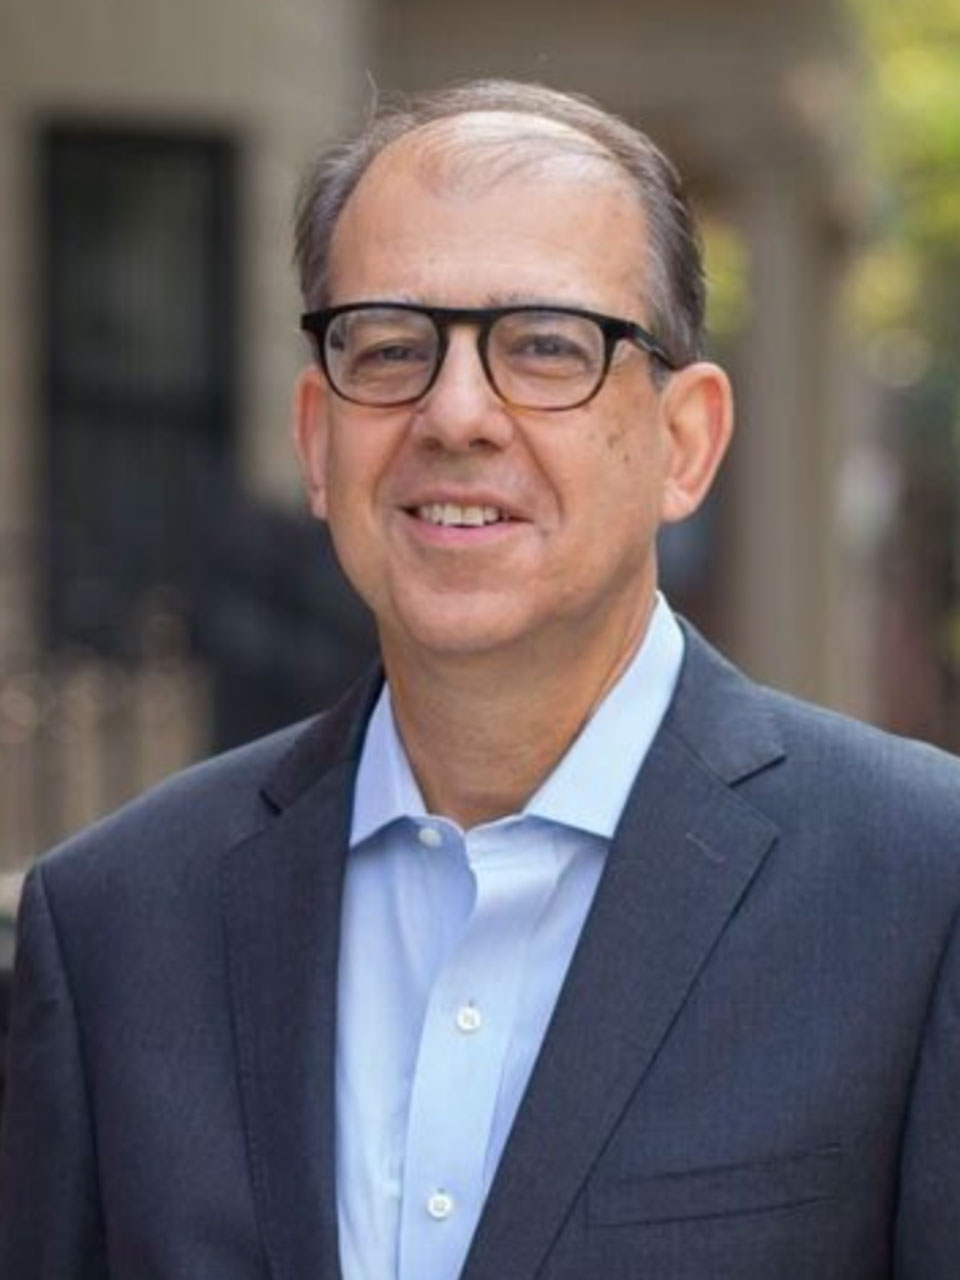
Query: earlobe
point(310, 436)
point(698, 417)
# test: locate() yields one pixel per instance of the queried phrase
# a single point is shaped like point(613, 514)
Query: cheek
point(366, 447)
point(626, 490)
point(359, 466)
point(627, 456)
point(346, 504)
point(637, 449)
point(617, 437)
point(353, 467)
point(619, 446)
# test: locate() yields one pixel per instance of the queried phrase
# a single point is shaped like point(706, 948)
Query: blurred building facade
point(161, 592)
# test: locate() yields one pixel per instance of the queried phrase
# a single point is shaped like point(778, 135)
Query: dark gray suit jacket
point(752, 1073)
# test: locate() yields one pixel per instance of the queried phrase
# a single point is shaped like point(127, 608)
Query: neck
point(482, 732)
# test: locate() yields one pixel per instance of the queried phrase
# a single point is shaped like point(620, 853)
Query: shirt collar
point(588, 787)
point(386, 788)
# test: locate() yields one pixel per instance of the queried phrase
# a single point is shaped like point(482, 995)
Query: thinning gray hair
point(673, 273)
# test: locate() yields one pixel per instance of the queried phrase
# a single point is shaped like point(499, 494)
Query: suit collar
point(725, 719)
point(332, 739)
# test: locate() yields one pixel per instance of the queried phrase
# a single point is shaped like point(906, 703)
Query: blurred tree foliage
point(728, 273)
point(911, 278)
point(906, 290)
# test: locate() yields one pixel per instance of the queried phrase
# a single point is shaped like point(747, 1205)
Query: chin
point(458, 629)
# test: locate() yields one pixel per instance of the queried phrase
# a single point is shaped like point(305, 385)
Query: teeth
point(451, 513)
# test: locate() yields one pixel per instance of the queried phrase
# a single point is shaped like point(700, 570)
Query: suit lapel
point(685, 852)
point(280, 893)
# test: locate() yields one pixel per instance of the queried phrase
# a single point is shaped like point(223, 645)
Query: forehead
point(490, 191)
point(467, 150)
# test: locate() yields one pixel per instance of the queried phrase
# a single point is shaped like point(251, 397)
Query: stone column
point(782, 507)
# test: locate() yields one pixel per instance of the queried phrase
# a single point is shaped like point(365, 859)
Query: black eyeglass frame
point(614, 330)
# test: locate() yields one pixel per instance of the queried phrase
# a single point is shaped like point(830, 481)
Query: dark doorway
point(138, 289)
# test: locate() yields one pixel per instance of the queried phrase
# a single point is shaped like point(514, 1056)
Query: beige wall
point(684, 55)
point(279, 77)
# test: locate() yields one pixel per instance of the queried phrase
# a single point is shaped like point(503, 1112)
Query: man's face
point(581, 492)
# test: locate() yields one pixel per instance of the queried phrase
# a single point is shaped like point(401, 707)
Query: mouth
point(453, 515)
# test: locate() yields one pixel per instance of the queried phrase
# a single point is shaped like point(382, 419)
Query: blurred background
point(162, 593)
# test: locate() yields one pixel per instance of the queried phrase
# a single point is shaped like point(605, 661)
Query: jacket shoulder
point(807, 765)
point(859, 762)
point(218, 801)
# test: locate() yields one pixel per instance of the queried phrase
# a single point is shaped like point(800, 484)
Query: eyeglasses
point(386, 354)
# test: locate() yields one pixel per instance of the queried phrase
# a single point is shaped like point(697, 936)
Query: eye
point(547, 344)
point(379, 345)
point(388, 352)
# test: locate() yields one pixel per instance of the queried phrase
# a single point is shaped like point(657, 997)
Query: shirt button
point(440, 1205)
point(469, 1018)
point(430, 837)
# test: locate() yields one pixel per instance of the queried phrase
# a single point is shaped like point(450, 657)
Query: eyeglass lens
point(536, 359)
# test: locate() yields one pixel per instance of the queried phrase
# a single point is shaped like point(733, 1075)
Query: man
point(567, 952)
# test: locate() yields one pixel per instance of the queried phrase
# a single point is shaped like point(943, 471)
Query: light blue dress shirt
point(455, 945)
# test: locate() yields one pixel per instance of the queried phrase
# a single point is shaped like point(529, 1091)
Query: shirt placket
point(463, 1048)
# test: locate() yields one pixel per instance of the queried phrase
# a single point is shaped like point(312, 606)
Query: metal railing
point(80, 734)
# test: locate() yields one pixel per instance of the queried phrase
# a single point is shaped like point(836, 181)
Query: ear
point(697, 408)
point(311, 435)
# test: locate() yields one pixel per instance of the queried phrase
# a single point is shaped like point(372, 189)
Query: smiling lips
point(452, 514)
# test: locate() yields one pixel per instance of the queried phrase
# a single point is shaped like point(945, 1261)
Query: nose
point(461, 411)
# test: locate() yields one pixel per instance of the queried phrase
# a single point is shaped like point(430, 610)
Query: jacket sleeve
point(928, 1219)
point(50, 1221)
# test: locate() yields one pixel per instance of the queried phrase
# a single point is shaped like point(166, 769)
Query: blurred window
point(137, 281)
